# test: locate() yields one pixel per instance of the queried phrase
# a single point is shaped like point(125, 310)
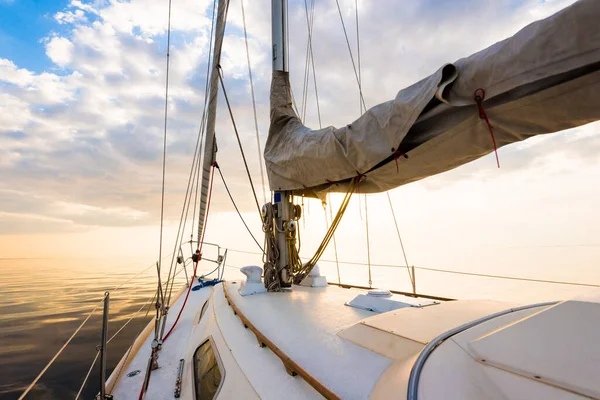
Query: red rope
point(479, 96)
point(199, 249)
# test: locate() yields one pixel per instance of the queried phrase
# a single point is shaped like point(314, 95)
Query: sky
point(82, 87)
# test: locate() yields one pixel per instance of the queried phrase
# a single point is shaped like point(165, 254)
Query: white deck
point(162, 380)
point(309, 338)
point(359, 354)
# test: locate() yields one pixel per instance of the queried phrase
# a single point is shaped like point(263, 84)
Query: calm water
point(42, 301)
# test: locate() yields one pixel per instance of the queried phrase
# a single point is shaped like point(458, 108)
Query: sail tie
point(479, 96)
point(396, 153)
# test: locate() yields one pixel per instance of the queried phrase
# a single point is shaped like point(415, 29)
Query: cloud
point(69, 17)
point(60, 50)
point(82, 142)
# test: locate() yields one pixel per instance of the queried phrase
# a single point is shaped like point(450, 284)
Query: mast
point(210, 145)
point(282, 199)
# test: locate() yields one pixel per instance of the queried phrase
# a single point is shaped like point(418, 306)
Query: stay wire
point(337, 264)
point(412, 278)
point(164, 160)
point(87, 376)
point(307, 63)
point(351, 56)
point(194, 172)
point(358, 54)
point(260, 161)
point(237, 135)
point(128, 353)
point(368, 244)
point(237, 210)
point(32, 384)
point(311, 24)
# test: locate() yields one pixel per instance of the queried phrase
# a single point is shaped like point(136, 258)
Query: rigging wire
point(164, 160)
point(32, 384)
point(368, 244)
point(200, 243)
point(351, 56)
point(412, 278)
point(337, 264)
point(260, 162)
point(237, 209)
point(310, 61)
point(128, 353)
point(149, 301)
point(237, 135)
point(87, 376)
point(194, 176)
point(311, 24)
point(358, 54)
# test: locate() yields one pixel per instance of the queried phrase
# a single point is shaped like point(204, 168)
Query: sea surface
point(43, 301)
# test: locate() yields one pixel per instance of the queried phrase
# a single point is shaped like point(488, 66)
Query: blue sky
point(23, 25)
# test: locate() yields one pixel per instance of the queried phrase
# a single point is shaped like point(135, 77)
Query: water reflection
point(42, 301)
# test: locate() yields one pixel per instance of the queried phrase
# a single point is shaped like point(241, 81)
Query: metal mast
point(282, 206)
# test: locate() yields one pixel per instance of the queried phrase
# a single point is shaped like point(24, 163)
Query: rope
point(87, 375)
point(237, 210)
point(60, 350)
point(412, 278)
point(200, 252)
point(351, 56)
point(479, 96)
point(306, 268)
point(260, 163)
point(237, 135)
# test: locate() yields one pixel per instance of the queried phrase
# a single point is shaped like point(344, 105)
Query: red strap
point(479, 96)
point(396, 155)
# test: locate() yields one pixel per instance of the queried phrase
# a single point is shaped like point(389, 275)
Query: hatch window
point(207, 372)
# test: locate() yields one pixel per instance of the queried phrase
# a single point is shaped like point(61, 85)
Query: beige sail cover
point(546, 78)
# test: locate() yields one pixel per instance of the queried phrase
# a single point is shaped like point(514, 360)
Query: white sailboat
point(284, 332)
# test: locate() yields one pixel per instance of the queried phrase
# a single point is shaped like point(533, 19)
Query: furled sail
point(210, 144)
point(546, 78)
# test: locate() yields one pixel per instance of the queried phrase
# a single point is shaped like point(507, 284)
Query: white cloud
point(11, 74)
point(60, 50)
point(69, 17)
point(92, 130)
point(14, 113)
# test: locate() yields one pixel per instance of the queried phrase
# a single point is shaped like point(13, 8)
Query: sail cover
point(546, 78)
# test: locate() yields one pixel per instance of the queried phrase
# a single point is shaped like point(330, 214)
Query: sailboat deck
point(303, 324)
point(162, 380)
